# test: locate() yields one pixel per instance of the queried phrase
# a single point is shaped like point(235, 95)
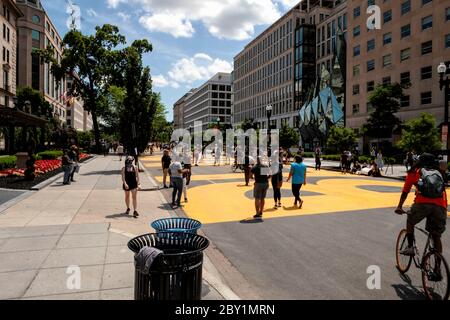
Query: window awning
point(14, 117)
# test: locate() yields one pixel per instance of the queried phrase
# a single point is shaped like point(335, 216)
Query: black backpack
point(431, 183)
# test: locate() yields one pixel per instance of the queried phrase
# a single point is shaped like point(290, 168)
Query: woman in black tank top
point(130, 180)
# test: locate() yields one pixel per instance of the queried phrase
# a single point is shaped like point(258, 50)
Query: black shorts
point(436, 217)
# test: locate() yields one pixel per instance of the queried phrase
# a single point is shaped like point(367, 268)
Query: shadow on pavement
point(251, 221)
point(119, 215)
point(407, 291)
point(104, 173)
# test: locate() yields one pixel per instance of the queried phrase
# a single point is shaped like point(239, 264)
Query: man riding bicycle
point(430, 201)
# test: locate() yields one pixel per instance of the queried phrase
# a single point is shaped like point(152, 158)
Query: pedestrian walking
point(165, 163)
point(74, 157)
point(261, 173)
point(197, 154)
point(186, 179)
point(120, 151)
point(277, 184)
point(379, 161)
point(318, 155)
point(217, 155)
point(298, 175)
point(176, 174)
point(247, 169)
point(131, 183)
point(67, 167)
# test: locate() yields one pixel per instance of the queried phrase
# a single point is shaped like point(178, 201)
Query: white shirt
point(174, 167)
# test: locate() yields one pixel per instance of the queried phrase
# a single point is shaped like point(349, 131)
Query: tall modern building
point(210, 103)
point(414, 38)
point(35, 30)
point(280, 67)
point(76, 116)
point(8, 46)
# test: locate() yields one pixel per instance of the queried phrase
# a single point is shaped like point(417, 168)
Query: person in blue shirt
point(298, 175)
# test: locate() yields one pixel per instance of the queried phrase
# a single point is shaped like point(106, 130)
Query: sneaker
point(257, 216)
point(275, 207)
point(166, 187)
point(435, 276)
point(301, 204)
point(409, 251)
point(128, 211)
point(135, 214)
point(279, 205)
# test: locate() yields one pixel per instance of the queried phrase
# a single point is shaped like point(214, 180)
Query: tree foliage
point(341, 139)
point(162, 129)
point(385, 100)
point(420, 134)
point(289, 137)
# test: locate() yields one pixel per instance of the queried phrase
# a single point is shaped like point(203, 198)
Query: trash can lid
point(190, 243)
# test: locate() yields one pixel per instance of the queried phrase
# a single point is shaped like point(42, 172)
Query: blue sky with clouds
point(192, 39)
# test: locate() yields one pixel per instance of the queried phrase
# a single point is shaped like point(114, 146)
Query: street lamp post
point(444, 84)
point(269, 109)
point(218, 123)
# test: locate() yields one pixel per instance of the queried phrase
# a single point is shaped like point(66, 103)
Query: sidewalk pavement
point(45, 237)
point(397, 172)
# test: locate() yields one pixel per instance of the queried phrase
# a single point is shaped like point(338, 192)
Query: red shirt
point(412, 179)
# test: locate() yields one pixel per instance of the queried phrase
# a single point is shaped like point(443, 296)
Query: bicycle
point(431, 263)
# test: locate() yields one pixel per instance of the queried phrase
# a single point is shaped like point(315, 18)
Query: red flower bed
point(41, 166)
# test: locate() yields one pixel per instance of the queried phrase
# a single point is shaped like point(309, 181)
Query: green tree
point(248, 124)
point(136, 117)
point(162, 129)
point(341, 139)
point(420, 134)
point(92, 60)
point(385, 100)
point(289, 137)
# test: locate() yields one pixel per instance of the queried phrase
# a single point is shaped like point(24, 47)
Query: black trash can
point(177, 273)
point(176, 225)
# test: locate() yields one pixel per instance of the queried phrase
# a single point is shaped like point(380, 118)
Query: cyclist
point(430, 202)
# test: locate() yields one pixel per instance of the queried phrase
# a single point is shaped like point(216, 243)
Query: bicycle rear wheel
point(403, 262)
point(434, 264)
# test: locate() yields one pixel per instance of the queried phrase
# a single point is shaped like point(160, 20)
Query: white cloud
point(114, 3)
point(200, 67)
point(175, 25)
point(92, 13)
point(289, 3)
point(125, 17)
point(229, 19)
point(161, 81)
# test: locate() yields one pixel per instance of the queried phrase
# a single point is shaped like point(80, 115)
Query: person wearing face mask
point(130, 179)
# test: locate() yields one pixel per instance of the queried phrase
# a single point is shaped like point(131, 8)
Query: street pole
point(269, 109)
point(444, 84)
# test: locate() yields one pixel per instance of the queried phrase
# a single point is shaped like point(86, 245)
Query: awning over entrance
point(17, 118)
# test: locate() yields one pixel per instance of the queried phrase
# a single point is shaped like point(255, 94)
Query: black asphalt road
point(7, 195)
point(319, 256)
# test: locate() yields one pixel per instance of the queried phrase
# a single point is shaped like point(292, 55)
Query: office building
point(35, 30)
point(414, 38)
point(178, 111)
point(280, 67)
point(210, 103)
point(8, 46)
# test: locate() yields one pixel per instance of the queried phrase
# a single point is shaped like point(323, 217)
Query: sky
point(192, 39)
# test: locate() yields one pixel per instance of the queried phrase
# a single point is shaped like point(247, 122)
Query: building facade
point(8, 46)
point(281, 66)
point(414, 38)
point(76, 116)
point(178, 111)
point(35, 30)
point(209, 103)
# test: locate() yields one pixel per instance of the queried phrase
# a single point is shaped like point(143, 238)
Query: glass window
point(427, 47)
point(447, 14)
point(424, 2)
point(427, 22)
point(36, 19)
point(405, 78)
point(405, 101)
point(35, 35)
point(387, 16)
point(356, 51)
point(355, 89)
point(370, 45)
point(356, 31)
point(370, 86)
point(387, 38)
point(406, 7)
point(405, 54)
point(405, 31)
point(387, 60)
point(355, 108)
point(426, 72)
point(447, 41)
point(386, 80)
point(356, 70)
point(356, 12)
point(426, 97)
point(370, 65)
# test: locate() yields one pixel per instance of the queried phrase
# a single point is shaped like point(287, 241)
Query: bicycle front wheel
point(435, 276)
point(403, 262)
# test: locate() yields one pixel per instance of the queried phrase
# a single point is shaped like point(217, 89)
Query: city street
point(320, 252)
